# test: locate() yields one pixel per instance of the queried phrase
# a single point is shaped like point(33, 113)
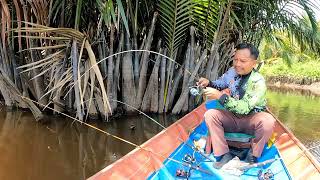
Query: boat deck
point(168, 171)
point(149, 161)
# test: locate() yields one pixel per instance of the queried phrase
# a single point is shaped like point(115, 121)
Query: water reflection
point(300, 113)
point(65, 150)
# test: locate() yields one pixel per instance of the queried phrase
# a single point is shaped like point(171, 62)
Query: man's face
point(243, 62)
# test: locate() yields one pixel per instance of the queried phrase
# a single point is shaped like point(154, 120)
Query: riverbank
point(313, 88)
point(303, 76)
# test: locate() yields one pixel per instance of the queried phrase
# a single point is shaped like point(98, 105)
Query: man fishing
point(244, 107)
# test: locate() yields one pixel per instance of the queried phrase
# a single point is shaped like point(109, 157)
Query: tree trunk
point(192, 60)
point(150, 99)
point(37, 83)
point(110, 69)
point(162, 82)
point(117, 72)
point(169, 85)
point(214, 72)
point(210, 63)
point(91, 108)
point(128, 87)
point(186, 77)
point(183, 97)
point(100, 106)
point(58, 105)
point(144, 63)
point(14, 92)
point(175, 86)
point(75, 57)
point(5, 93)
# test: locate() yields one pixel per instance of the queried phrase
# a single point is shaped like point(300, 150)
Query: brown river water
point(64, 150)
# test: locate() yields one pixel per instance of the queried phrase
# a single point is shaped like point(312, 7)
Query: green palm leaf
point(175, 22)
point(108, 13)
point(206, 18)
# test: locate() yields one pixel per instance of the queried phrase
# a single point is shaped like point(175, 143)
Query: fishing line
point(128, 51)
point(121, 139)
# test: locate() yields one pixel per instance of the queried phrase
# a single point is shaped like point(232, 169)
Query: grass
point(298, 70)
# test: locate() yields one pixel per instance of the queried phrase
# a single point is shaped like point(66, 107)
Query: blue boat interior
point(170, 167)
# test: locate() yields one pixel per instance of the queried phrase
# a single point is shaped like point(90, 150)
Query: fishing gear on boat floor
point(189, 159)
point(182, 173)
point(194, 148)
point(191, 162)
point(268, 175)
point(258, 164)
point(237, 167)
point(198, 168)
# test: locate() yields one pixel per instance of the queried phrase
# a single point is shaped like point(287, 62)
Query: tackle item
point(200, 144)
point(196, 90)
point(268, 175)
point(259, 164)
point(183, 174)
point(189, 159)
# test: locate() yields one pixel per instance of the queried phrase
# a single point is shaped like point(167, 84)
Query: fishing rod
point(121, 139)
point(123, 52)
point(197, 150)
point(258, 164)
point(181, 140)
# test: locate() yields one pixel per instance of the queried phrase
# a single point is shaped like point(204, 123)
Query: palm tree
point(51, 55)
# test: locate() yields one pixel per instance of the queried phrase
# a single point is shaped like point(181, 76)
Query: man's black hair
point(253, 50)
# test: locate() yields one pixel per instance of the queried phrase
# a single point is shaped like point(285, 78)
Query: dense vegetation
point(288, 62)
point(299, 73)
point(50, 49)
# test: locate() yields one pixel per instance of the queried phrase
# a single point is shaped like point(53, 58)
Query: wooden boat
point(293, 160)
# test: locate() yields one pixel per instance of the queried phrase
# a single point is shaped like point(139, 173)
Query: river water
point(62, 149)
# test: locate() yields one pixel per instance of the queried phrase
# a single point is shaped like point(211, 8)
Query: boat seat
point(238, 137)
point(237, 140)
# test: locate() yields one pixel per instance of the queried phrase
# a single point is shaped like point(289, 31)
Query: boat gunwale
point(303, 148)
point(199, 119)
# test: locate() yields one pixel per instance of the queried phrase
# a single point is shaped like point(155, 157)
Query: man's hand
point(212, 93)
point(203, 82)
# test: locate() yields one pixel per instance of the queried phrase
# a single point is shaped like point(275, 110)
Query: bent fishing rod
point(128, 51)
point(121, 139)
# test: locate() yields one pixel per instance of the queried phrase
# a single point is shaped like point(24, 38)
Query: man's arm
point(253, 95)
point(222, 82)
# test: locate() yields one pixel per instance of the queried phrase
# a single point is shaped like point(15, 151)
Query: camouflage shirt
point(247, 92)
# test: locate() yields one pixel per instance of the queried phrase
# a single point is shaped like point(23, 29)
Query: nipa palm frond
point(206, 18)
point(108, 13)
point(175, 21)
point(53, 63)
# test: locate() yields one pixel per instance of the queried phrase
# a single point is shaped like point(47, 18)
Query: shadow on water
point(66, 150)
point(300, 113)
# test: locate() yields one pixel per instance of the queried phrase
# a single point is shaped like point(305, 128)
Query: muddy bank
point(307, 85)
point(292, 80)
